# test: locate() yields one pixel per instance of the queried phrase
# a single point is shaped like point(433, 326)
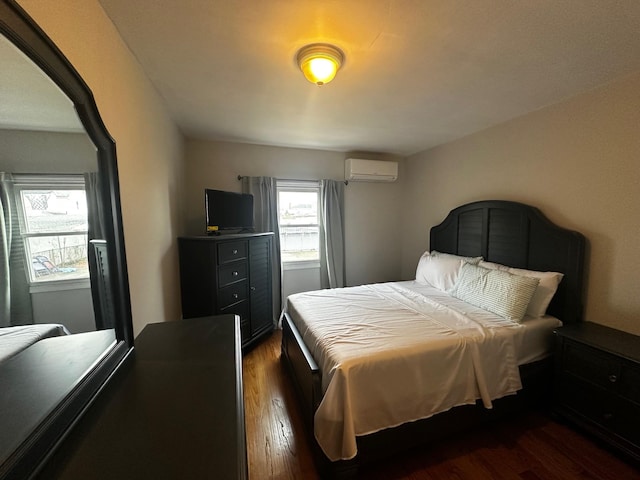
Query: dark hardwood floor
point(533, 447)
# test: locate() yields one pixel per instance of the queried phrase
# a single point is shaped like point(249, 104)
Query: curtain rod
point(240, 177)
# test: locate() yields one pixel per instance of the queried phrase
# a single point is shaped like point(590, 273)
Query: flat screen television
point(228, 211)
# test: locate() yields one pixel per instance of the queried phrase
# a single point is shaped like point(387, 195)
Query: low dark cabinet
point(173, 410)
point(598, 383)
point(229, 274)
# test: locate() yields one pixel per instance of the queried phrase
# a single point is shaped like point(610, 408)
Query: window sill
point(304, 265)
point(59, 285)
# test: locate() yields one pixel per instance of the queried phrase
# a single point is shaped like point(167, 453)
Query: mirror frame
point(21, 30)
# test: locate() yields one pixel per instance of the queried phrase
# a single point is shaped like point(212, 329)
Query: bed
point(447, 364)
point(14, 340)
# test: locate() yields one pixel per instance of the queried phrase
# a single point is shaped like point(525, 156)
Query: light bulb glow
point(319, 62)
point(321, 70)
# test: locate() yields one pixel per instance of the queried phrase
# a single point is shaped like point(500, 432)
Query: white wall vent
point(361, 170)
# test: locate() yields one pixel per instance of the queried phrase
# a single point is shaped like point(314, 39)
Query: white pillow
point(439, 271)
point(471, 260)
point(492, 265)
point(498, 291)
point(547, 286)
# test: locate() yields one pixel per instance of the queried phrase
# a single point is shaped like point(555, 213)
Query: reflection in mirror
point(54, 292)
point(45, 158)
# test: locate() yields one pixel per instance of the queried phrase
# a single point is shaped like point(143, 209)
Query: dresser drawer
point(231, 251)
point(232, 294)
point(232, 273)
point(591, 364)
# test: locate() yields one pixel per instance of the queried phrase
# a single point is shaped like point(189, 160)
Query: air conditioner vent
point(362, 170)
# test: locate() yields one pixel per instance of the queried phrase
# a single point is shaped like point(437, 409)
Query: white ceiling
point(418, 73)
point(29, 100)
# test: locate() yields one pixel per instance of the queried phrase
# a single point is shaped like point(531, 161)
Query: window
point(52, 214)
point(298, 207)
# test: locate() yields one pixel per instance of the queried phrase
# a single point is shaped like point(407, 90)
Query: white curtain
point(265, 216)
point(332, 264)
point(95, 210)
point(5, 251)
point(96, 231)
point(15, 299)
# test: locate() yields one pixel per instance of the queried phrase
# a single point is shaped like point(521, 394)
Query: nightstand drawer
point(627, 423)
point(597, 383)
point(629, 384)
point(232, 273)
point(591, 364)
point(594, 403)
point(231, 251)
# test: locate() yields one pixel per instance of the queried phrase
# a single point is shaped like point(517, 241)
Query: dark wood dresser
point(228, 274)
point(175, 411)
point(598, 383)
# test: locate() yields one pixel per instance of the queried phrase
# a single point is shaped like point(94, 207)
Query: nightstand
point(597, 383)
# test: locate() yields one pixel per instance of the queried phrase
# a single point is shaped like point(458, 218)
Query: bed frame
point(504, 232)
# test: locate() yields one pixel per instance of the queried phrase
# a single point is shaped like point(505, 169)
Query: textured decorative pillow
point(500, 292)
point(545, 291)
point(547, 286)
point(440, 271)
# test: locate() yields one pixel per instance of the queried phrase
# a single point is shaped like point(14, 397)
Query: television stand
point(229, 273)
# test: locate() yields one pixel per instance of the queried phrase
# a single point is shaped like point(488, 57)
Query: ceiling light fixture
point(320, 62)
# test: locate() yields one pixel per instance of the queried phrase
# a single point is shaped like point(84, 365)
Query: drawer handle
point(235, 274)
point(613, 378)
point(253, 289)
point(235, 296)
point(235, 251)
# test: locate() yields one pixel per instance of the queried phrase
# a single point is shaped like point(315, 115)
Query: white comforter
point(13, 340)
point(390, 355)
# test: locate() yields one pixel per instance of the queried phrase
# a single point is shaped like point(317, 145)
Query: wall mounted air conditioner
point(361, 170)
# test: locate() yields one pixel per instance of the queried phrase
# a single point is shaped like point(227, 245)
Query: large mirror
point(65, 321)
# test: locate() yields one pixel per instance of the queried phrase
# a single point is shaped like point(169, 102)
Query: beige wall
point(148, 145)
point(371, 220)
point(578, 161)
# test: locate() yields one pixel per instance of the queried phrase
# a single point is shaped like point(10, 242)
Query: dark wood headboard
point(520, 236)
